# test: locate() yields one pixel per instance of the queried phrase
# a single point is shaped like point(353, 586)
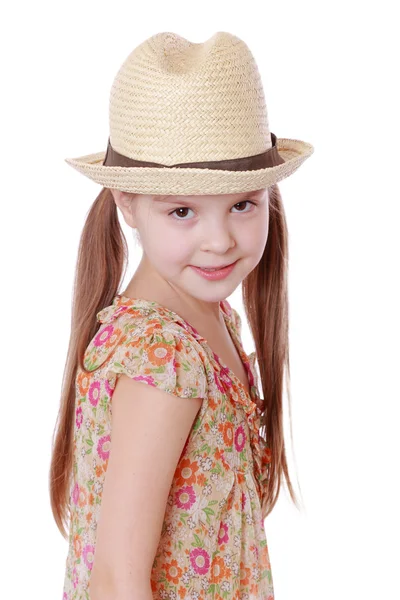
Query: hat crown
point(175, 101)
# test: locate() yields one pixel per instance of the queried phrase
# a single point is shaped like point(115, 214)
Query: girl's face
point(177, 232)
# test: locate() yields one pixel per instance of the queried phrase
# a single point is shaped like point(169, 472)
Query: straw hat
point(190, 118)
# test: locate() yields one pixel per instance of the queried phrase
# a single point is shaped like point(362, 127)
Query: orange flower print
point(244, 574)
point(186, 472)
point(217, 570)
point(254, 589)
point(83, 382)
point(227, 431)
point(77, 545)
point(212, 403)
point(213, 540)
point(266, 456)
point(201, 480)
point(241, 478)
point(172, 571)
point(160, 353)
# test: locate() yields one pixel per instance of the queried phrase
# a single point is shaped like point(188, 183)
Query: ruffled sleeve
point(161, 357)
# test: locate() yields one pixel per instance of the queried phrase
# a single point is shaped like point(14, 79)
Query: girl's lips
point(214, 275)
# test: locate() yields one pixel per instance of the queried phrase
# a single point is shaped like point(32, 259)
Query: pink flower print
point(65, 597)
point(104, 334)
point(243, 500)
point(217, 383)
point(79, 417)
point(88, 555)
point(224, 374)
point(185, 497)
point(75, 494)
point(75, 579)
point(240, 438)
point(94, 393)
point(200, 560)
point(249, 373)
point(120, 310)
point(103, 447)
point(254, 549)
point(223, 536)
point(109, 389)
point(148, 380)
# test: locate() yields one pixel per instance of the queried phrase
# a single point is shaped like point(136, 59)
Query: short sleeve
point(162, 358)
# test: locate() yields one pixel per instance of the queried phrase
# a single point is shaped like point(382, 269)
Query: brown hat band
point(270, 158)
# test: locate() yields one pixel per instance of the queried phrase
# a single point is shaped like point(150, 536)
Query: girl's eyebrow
point(174, 200)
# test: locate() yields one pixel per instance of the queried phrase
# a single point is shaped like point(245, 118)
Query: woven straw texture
point(174, 101)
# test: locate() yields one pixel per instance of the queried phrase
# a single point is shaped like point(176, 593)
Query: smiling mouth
point(216, 268)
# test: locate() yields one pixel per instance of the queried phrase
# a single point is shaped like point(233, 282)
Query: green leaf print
point(198, 543)
point(196, 424)
point(186, 365)
point(205, 448)
point(89, 442)
point(208, 511)
point(217, 469)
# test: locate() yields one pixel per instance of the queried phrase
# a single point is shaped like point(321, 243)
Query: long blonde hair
point(100, 270)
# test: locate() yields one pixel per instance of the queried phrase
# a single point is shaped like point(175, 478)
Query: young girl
point(166, 459)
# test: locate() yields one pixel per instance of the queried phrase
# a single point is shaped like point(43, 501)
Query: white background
point(330, 75)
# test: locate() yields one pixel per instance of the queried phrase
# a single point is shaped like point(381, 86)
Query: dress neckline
point(125, 301)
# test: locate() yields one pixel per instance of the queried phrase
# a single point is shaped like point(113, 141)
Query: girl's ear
point(124, 202)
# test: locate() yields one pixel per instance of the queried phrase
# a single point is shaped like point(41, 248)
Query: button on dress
point(212, 543)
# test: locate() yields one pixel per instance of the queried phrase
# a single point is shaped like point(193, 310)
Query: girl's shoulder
point(149, 343)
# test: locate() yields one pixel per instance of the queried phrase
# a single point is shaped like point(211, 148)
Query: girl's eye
point(182, 208)
point(185, 208)
point(245, 202)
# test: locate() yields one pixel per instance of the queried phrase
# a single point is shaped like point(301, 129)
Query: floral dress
point(212, 543)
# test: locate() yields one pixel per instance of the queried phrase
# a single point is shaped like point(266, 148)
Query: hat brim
point(192, 181)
